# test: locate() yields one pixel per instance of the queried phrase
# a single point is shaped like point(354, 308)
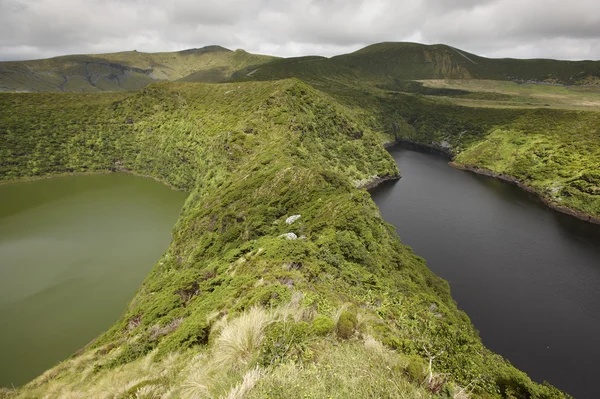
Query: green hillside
point(245, 302)
point(130, 70)
point(389, 62)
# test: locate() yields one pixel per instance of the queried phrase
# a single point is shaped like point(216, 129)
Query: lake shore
point(447, 153)
point(512, 180)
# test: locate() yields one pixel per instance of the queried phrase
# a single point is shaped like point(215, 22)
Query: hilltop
point(130, 70)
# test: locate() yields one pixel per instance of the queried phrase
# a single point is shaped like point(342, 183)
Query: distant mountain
point(386, 62)
point(383, 63)
point(130, 70)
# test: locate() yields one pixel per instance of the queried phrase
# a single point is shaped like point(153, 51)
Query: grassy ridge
point(129, 70)
point(378, 64)
point(233, 309)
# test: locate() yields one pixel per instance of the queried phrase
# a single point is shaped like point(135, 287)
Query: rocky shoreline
point(378, 180)
point(512, 180)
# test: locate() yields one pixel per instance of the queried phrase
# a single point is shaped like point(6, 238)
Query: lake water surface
point(73, 251)
point(528, 277)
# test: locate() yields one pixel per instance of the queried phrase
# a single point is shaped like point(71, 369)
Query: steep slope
point(412, 61)
point(129, 70)
point(248, 302)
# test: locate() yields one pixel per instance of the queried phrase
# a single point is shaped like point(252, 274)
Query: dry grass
point(294, 310)
point(351, 370)
point(250, 379)
point(240, 338)
point(227, 370)
point(201, 377)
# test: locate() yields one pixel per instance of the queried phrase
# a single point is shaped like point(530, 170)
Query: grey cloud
point(498, 28)
point(438, 6)
point(210, 12)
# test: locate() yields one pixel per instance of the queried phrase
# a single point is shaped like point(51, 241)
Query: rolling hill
point(385, 64)
point(130, 70)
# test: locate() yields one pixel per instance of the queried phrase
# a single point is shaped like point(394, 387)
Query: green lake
point(73, 251)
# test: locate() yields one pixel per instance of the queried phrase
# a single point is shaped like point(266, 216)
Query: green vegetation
point(543, 136)
point(245, 304)
point(129, 70)
point(380, 64)
point(500, 94)
point(555, 153)
point(385, 63)
point(236, 307)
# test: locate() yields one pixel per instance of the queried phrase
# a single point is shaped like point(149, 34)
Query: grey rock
point(292, 219)
point(289, 236)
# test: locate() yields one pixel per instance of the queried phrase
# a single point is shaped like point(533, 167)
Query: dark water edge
point(527, 276)
point(73, 251)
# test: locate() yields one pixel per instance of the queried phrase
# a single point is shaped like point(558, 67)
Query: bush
point(191, 332)
point(322, 325)
point(132, 351)
point(415, 370)
point(283, 341)
point(346, 325)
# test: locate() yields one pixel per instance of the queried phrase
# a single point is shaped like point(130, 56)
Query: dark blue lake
point(528, 277)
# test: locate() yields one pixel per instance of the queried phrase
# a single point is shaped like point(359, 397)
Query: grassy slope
point(130, 70)
point(232, 309)
point(491, 124)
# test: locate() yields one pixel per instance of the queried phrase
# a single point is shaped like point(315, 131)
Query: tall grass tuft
point(240, 338)
point(241, 390)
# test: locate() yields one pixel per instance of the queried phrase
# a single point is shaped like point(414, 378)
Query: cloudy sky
point(494, 28)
